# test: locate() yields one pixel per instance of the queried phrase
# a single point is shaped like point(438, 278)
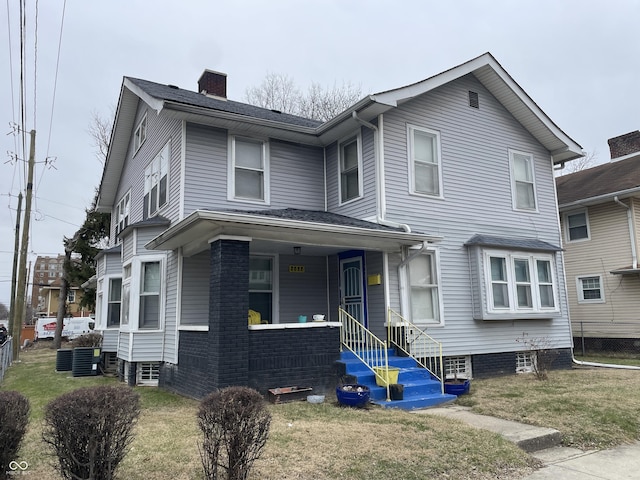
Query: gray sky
point(578, 60)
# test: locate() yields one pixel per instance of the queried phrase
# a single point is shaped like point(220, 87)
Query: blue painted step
point(421, 390)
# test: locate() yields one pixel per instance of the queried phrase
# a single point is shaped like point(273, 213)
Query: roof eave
point(607, 197)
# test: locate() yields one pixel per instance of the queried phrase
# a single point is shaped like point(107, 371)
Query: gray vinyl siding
point(302, 293)
point(160, 130)
point(195, 290)
point(128, 250)
point(608, 248)
point(365, 207)
point(376, 308)
point(110, 340)
point(113, 264)
point(475, 167)
point(144, 346)
point(170, 348)
point(144, 236)
point(296, 173)
point(393, 260)
point(334, 287)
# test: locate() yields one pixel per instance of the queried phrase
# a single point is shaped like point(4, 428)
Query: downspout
point(379, 166)
point(634, 256)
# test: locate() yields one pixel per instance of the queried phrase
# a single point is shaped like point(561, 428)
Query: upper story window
point(350, 164)
point(520, 282)
point(155, 183)
point(71, 296)
point(249, 167)
point(577, 226)
point(424, 161)
point(122, 213)
point(140, 134)
point(590, 289)
point(523, 185)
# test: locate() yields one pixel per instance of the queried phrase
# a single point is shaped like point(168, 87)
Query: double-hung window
point(423, 299)
point(150, 282)
point(114, 302)
point(249, 164)
point(126, 295)
point(424, 161)
point(523, 183)
point(576, 226)
point(520, 282)
point(261, 286)
point(155, 183)
point(122, 213)
point(140, 134)
point(590, 289)
point(350, 169)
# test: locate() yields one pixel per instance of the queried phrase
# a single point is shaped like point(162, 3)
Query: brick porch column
point(228, 312)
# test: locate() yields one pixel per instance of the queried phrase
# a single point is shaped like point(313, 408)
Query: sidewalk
point(544, 443)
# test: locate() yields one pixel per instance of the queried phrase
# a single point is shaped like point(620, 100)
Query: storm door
point(352, 288)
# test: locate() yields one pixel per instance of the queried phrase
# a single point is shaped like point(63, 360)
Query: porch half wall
point(231, 354)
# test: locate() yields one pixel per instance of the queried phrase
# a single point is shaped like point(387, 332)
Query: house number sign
point(296, 268)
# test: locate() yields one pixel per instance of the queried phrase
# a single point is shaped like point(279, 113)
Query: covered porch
point(252, 283)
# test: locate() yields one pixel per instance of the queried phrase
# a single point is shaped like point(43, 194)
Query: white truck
point(72, 327)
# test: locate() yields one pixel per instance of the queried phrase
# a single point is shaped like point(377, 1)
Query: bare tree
point(579, 164)
point(279, 92)
point(100, 131)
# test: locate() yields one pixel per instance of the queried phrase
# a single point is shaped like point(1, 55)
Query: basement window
point(148, 373)
point(524, 362)
point(457, 367)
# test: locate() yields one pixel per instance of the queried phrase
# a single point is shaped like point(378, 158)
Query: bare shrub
point(235, 425)
point(90, 430)
point(542, 352)
point(87, 340)
point(14, 416)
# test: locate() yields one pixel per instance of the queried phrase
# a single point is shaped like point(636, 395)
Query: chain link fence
point(6, 355)
point(606, 338)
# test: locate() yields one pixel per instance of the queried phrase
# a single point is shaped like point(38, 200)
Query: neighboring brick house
point(436, 200)
point(46, 270)
point(600, 215)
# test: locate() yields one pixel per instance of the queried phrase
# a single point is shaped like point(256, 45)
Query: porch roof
point(321, 230)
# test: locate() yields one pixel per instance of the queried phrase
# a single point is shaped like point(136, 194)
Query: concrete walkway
point(544, 443)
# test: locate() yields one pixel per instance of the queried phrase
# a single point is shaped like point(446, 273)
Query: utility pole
point(16, 250)
point(22, 270)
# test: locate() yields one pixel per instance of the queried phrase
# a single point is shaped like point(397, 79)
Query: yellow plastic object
point(383, 379)
point(254, 317)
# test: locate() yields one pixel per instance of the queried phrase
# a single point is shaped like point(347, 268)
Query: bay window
point(520, 282)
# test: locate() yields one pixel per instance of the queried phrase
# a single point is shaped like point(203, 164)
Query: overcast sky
point(578, 60)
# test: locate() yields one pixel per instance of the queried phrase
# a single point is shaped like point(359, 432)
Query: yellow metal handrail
point(368, 348)
point(415, 342)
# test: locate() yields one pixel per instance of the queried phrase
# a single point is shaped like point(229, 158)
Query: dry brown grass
point(591, 407)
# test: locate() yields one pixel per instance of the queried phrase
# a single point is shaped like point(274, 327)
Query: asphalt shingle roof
point(608, 178)
point(512, 243)
point(188, 97)
point(316, 216)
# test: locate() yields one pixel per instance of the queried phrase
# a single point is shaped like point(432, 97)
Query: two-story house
point(232, 223)
point(600, 214)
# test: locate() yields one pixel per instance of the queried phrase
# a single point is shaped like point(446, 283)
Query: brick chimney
point(624, 145)
point(213, 83)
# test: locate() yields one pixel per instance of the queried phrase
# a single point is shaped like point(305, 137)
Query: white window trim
point(275, 286)
point(231, 177)
point(147, 172)
point(122, 220)
point(411, 164)
point(580, 290)
point(458, 367)
point(405, 285)
point(140, 134)
point(150, 369)
point(105, 292)
point(514, 193)
point(525, 362)
point(126, 281)
point(566, 226)
point(134, 293)
point(513, 307)
point(346, 140)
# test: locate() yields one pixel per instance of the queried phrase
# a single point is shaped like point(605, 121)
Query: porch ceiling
point(195, 232)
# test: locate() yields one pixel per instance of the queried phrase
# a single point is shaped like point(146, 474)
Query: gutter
point(632, 237)
point(379, 165)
